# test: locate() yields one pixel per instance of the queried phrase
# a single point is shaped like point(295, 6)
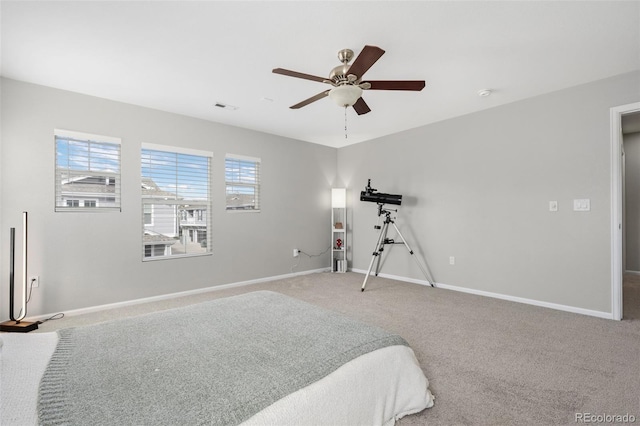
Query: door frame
point(616, 114)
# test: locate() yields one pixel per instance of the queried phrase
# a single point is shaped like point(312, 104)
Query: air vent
point(225, 106)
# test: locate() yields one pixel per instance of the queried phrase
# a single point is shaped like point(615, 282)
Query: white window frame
point(256, 186)
point(175, 202)
point(60, 202)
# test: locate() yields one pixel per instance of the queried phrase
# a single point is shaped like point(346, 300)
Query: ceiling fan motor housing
point(339, 75)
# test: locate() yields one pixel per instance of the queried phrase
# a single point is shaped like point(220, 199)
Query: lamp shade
point(338, 197)
point(345, 95)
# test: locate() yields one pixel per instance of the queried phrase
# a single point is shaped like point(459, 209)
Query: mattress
point(375, 388)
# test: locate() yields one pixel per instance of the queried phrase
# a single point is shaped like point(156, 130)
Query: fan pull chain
point(345, 122)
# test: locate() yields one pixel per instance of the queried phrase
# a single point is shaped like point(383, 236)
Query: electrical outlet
point(452, 260)
point(296, 252)
point(34, 281)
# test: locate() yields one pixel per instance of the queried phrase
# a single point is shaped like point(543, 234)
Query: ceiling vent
point(225, 106)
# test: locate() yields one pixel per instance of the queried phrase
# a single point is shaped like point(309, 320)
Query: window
point(87, 172)
point(148, 214)
point(176, 202)
point(242, 176)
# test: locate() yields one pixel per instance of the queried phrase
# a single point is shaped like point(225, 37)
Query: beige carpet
point(489, 361)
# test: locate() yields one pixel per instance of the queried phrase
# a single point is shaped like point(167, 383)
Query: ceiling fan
point(348, 83)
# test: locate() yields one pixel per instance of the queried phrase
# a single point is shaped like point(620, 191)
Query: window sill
point(176, 256)
point(88, 209)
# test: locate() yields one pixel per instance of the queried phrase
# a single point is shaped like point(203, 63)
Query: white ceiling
point(185, 56)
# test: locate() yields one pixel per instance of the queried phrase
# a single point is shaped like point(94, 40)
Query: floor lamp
point(16, 324)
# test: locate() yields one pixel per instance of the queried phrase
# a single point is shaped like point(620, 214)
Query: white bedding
point(374, 389)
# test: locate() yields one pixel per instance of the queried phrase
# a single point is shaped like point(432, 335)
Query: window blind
point(87, 172)
point(242, 177)
point(176, 202)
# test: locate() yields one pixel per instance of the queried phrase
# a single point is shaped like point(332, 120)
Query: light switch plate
point(582, 205)
point(553, 206)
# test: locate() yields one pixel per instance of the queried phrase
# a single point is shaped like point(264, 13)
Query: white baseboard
point(98, 308)
point(556, 306)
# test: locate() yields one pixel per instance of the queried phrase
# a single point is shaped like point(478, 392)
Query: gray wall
point(475, 187)
point(478, 188)
point(632, 201)
point(92, 259)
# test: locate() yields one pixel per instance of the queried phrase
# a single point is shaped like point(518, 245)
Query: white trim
point(86, 136)
point(99, 308)
point(176, 149)
point(556, 306)
point(616, 205)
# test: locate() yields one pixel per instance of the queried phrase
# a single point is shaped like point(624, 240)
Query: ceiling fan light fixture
point(345, 95)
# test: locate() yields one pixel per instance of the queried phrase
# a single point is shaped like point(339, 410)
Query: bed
point(260, 358)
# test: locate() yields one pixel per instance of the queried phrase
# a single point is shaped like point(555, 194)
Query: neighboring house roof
point(151, 237)
point(240, 201)
point(150, 189)
point(90, 185)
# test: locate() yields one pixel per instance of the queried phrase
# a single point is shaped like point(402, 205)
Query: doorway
point(623, 120)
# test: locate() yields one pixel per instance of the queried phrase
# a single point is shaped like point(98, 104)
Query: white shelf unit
point(339, 230)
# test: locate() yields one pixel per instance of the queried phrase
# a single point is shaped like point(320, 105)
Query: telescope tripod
point(383, 240)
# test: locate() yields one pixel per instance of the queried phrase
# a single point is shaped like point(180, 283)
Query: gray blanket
point(217, 362)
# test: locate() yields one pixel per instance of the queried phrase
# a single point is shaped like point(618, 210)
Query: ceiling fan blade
point(361, 107)
point(310, 100)
point(366, 58)
point(415, 85)
point(298, 75)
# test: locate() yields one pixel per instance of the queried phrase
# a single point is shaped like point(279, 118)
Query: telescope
point(370, 194)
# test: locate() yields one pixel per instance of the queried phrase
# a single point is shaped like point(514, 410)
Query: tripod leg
point(424, 271)
point(376, 253)
point(381, 243)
